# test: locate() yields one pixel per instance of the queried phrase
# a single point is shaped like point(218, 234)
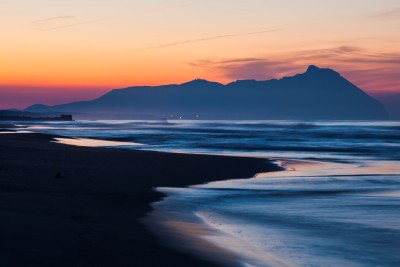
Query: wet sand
point(90, 215)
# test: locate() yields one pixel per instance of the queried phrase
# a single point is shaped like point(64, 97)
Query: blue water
point(305, 140)
point(337, 204)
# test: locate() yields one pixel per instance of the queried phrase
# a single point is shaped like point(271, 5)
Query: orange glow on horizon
point(73, 50)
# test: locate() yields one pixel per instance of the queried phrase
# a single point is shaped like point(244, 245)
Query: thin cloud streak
point(393, 13)
point(205, 39)
point(46, 24)
point(53, 19)
point(73, 25)
point(42, 24)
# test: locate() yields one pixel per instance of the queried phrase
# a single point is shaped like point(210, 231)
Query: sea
point(336, 203)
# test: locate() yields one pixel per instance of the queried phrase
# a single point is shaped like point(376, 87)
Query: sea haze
point(337, 203)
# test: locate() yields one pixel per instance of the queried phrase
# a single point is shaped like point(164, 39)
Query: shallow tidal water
point(337, 203)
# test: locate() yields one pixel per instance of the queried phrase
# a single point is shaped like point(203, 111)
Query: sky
point(58, 51)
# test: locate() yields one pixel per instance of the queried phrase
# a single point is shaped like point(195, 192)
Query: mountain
point(391, 101)
point(316, 94)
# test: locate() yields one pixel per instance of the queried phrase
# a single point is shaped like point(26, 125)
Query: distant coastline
point(317, 94)
point(29, 118)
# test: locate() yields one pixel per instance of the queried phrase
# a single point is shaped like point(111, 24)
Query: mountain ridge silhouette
point(316, 94)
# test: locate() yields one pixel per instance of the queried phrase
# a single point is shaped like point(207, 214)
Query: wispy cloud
point(371, 71)
point(51, 19)
point(388, 14)
point(41, 24)
point(71, 25)
point(204, 39)
point(247, 68)
point(61, 22)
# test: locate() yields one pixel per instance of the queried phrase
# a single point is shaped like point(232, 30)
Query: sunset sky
point(55, 51)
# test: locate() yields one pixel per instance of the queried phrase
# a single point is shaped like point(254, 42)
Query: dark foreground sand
point(90, 217)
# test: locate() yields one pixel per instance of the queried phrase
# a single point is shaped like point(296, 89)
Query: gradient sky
point(58, 51)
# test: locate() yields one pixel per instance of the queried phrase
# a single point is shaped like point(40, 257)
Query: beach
point(82, 206)
point(185, 193)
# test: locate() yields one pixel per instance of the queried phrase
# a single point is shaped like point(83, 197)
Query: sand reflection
point(93, 142)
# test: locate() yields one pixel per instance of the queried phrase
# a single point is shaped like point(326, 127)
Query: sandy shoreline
point(90, 216)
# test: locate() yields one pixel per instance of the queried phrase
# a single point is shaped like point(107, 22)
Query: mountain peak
point(200, 83)
point(312, 68)
point(197, 81)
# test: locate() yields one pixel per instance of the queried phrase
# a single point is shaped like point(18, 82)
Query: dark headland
point(73, 206)
point(317, 94)
point(11, 115)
